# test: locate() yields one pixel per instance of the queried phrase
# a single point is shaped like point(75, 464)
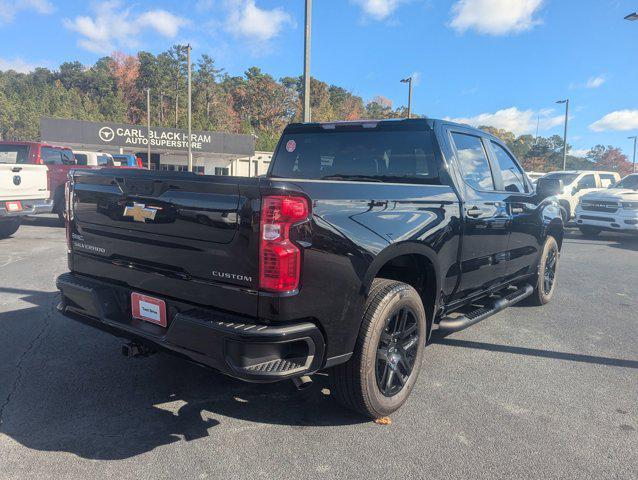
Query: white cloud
point(595, 82)
point(17, 64)
point(515, 120)
point(578, 152)
point(495, 17)
point(620, 120)
point(114, 27)
point(10, 8)
point(247, 20)
point(377, 9)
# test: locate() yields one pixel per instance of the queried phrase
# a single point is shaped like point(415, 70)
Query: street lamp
point(306, 62)
point(409, 82)
point(566, 102)
point(634, 138)
point(632, 17)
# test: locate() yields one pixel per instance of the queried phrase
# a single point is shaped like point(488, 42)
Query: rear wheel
point(548, 268)
point(9, 226)
point(59, 205)
point(379, 377)
point(589, 231)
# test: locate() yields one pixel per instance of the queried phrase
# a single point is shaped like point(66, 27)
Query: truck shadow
point(67, 388)
point(622, 241)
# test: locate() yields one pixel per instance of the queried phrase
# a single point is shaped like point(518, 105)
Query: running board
point(454, 324)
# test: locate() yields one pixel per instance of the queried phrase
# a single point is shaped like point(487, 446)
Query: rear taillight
point(280, 258)
point(68, 212)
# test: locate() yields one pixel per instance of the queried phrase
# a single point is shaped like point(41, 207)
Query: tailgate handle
point(16, 169)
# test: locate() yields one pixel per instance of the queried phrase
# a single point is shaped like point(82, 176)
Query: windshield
point(630, 181)
point(377, 156)
point(14, 153)
point(567, 178)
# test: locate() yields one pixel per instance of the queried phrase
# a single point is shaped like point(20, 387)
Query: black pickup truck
point(362, 238)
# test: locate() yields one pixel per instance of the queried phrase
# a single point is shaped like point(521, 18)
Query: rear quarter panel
point(355, 228)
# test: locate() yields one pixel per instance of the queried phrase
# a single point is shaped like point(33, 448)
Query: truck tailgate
point(175, 234)
point(23, 181)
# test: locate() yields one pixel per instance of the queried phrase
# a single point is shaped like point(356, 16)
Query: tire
point(59, 206)
point(542, 294)
point(590, 231)
point(9, 226)
point(378, 358)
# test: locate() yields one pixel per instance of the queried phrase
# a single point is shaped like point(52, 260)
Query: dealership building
point(214, 153)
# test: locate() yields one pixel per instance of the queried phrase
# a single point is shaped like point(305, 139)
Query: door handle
point(474, 212)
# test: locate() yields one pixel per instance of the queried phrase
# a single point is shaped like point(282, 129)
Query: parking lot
point(529, 393)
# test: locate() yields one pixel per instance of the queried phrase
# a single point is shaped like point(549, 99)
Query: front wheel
point(9, 226)
point(386, 361)
point(547, 270)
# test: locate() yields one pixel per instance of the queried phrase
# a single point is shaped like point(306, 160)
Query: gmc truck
point(361, 240)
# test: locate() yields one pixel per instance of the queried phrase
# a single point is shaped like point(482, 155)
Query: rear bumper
point(29, 207)
point(232, 345)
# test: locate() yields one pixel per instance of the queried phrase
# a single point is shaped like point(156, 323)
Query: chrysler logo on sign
point(106, 134)
point(140, 212)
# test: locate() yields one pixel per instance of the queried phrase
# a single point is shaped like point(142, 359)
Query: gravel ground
point(529, 393)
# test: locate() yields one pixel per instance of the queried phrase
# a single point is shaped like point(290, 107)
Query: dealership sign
point(77, 132)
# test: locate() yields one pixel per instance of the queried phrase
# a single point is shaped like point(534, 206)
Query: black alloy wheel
point(397, 351)
point(550, 270)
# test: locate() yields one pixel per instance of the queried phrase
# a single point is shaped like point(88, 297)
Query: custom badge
point(140, 212)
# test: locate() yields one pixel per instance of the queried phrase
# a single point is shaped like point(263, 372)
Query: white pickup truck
point(613, 209)
point(577, 183)
point(23, 190)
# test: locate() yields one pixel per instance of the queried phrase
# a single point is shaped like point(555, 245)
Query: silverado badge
point(140, 212)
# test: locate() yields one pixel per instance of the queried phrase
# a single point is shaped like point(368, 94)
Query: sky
point(496, 62)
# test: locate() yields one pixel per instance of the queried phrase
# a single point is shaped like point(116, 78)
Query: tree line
point(114, 89)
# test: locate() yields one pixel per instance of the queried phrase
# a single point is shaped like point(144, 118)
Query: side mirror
point(548, 187)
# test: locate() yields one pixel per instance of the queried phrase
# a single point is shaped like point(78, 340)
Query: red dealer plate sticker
point(148, 309)
point(13, 206)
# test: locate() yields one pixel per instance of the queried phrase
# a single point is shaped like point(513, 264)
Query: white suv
point(613, 209)
point(577, 183)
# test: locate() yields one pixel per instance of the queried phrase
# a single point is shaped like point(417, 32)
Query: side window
point(588, 181)
point(513, 177)
point(221, 171)
point(81, 159)
point(607, 179)
point(67, 157)
point(473, 161)
point(51, 156)
point(104, 160)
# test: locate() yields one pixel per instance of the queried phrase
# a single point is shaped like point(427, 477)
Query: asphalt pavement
point(531, 392)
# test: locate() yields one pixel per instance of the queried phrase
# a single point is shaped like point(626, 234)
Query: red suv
point(59, 160)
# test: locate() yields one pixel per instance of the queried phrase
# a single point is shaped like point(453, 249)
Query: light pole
point(148, 127)
point(635, 137)
point(190, 120)
point(409, 82)
point(306, 63)
point(566, 102)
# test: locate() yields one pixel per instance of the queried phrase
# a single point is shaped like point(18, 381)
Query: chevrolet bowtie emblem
point(140, 212)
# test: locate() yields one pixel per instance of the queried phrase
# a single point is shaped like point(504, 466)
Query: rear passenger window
point(513, 177)
point(51, 156)
point(81, 159)
point(473, 161)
